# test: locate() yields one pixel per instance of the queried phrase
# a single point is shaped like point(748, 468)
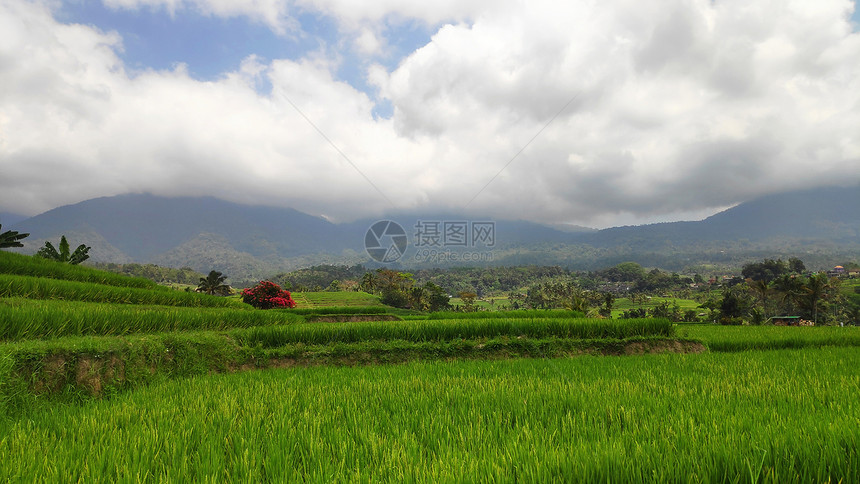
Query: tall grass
point(515, 314)
point(743, 338)
point(41, 288)
point(338, 310)
point(33, 319)
point(421, 331)
point(23, 265)
point(754, 417)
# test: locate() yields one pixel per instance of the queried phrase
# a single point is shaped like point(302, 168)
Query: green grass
point(489, 303)
point(741, 338)
point(787, 416)
point(23, 265)
point(622, 304)
point(43, 288)
point(446, 330)
point(325, 299)
point(35, 319)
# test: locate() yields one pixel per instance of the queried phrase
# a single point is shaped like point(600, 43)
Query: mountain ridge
point(206, 232)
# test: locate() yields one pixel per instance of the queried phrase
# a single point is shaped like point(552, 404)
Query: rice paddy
point(34, 319)
point(787, 416)
point(741, 338)
point(105, 380)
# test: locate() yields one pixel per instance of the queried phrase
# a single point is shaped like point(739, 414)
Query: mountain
point(200, 232)
point(9, 219)
point(828, 215)
point(206, 233)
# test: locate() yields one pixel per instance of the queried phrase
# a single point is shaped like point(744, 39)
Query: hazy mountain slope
point(8, 219)
point(206, 233)
point(830, 214)
point(143, 226)
point(100, 249)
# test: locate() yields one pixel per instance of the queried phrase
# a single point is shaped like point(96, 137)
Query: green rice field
point(45, 288)
point(105, 378)
point(788, 416)
point(326, 299)
point(436, 330)
point(37, 319)
point(740, 338)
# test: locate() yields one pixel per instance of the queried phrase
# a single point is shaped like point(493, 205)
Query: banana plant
point(64, 254)
point(11, 238)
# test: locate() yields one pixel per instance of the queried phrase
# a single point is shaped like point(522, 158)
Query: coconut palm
point(817, 288)
point(10, 238)
point(761, 290)
point(789, 291)
point(64, 254)
point(214, 284)
point(368, 283)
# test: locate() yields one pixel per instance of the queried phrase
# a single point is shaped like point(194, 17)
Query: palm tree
point(816, 288)
point(214, 284)
point(760, 289)
point(64, 254)
point(368, 282)
point(10, 238)
point(790, 291)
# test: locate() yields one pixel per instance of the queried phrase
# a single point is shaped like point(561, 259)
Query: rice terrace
point(364, 241)
point(110, 378)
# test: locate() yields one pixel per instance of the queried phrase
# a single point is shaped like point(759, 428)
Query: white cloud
point(272, 13)
point(681, 107)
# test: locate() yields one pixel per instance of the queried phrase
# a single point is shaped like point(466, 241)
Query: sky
point(589, 112)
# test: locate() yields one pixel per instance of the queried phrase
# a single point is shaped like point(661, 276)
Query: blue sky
point(592, 113)
point(209, 46)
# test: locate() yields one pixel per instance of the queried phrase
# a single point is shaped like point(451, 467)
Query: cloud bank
point(673, 110)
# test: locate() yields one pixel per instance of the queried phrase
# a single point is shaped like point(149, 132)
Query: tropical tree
point(736, 304)
point(760, 289)
point(790, 292)
point(64, 254)
point(817, 288)
point(268, 295)
point(214, 284)
point(468, 298)
point(768, 270)
point(11, 238)
point(437, 298)
point(796, 265)
point(608, 301)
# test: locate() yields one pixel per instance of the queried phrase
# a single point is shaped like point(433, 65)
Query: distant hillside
point(200, 232)
point(9, 219)
point(827, 214)
point(244, 241)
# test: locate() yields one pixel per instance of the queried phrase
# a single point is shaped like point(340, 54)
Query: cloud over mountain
point(674, 109)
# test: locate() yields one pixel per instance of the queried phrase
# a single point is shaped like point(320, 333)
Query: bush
point(268, 295)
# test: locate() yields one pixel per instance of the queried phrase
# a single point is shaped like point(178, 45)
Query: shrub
point(268, 295)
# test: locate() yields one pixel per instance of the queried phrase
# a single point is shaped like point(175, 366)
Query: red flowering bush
point(268, 295)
